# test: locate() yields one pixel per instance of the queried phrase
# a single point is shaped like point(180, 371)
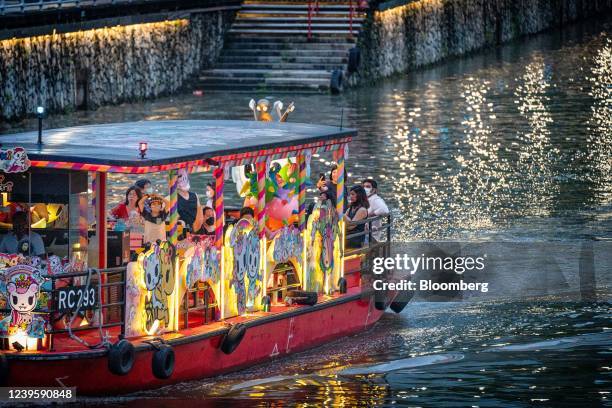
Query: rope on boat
point(104, 342)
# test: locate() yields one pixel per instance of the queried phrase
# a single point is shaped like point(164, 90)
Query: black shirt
point(187, 209)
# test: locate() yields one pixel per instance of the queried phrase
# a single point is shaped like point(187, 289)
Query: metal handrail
point(371, 243)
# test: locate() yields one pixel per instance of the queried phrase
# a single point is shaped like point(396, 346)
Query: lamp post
point(142, 147)
point(40, 112)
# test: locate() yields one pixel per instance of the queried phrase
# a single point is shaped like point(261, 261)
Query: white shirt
point(377, 207)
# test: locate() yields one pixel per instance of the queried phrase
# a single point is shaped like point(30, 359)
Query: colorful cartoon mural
point(14, 160)
point(159, 273)
point(21, 286)
point(243, 280)
point(324, 249)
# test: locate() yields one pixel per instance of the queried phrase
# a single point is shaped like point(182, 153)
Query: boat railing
point(376, 238)
point(198, 299)
point(66, 297)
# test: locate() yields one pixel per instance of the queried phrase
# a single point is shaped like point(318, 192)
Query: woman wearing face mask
point(210, 194)
point(208, 227)
point(357, 211)
point(188, 203)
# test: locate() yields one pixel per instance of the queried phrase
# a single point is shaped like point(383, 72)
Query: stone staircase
point(268, 47)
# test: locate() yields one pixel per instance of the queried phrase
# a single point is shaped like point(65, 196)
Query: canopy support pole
point(340, 184)
point(260, 211)
point(173, 211)
point(101, 218)
point(301, 159)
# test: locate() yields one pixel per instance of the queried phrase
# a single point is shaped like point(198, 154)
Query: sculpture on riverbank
point(261, 110)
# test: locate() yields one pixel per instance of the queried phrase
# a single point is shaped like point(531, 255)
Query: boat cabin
point(75, 275)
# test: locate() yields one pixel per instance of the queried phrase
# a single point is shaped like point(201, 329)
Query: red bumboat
point(301, 255)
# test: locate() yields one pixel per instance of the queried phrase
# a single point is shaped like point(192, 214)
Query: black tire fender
point(342, 285)
point(121, 357)
point(380, 300)
point(4, 370)
point(301, 297)
point(232, 339)
point(163, 362)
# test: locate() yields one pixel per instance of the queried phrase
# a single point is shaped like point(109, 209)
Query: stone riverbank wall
point(107, 65)
point(400, 36)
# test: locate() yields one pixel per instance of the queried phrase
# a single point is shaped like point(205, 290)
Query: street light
point(40, 111)
point(142, 147)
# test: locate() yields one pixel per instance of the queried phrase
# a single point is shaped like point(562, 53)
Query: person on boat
point(128, 211)
point(210, 195)
point(378, 207)
point(208, 226)
point(153, 209)
point(357, 211)
point(145, 186)
point(326, 195)
point(188, 203)
point(331, 185)
point(247, 213)
point(21, 239)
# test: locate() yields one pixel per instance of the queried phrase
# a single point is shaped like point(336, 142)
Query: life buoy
point(233, 338)
point(335, 84)
point(342, 285)
point(163, 362)
point(121, 357)
point(301, 297)
point(4, 369)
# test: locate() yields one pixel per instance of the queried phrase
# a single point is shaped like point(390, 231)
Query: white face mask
point(209, 194)
point(368, 190)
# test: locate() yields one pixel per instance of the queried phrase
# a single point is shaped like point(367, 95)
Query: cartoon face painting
point(23, 294)
point(152, 273)
point(245, 243)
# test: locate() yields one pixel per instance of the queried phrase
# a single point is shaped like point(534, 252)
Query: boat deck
point(63, 344)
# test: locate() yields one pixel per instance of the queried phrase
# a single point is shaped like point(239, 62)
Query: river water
point(507, 145)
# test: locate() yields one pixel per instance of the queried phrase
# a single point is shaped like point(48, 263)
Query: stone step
point(266, 73)
point(297, 14)
point(282, 46)
point(292, 39)
point(253, 53)
point(280, 66)
point(316, 33)
point(279, 59)
point(303, 20)
point(263, 89)
point(208, 82)
point(293, 26)
point(323, 7)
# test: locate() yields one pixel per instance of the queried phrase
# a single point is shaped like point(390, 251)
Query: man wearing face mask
point(377, 206)
point(188, 203)
point(208, 227)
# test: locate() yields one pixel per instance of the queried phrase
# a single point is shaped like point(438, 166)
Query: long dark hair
point(362, 197)
point(335, 167)
point(138, 194)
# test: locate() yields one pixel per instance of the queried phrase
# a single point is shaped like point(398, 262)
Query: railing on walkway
point(313, 10)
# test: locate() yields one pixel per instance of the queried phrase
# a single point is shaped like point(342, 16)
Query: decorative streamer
point(260, 213)
point(173, 212)
point(218, 174)
point(302, 190)
point(340, 185)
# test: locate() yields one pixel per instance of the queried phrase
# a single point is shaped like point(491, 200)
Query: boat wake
point(591, 339)
point(404, 363)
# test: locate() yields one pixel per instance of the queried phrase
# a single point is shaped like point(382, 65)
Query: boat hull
point(201, 357)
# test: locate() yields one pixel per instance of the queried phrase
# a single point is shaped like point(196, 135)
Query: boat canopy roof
point(172, 144)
